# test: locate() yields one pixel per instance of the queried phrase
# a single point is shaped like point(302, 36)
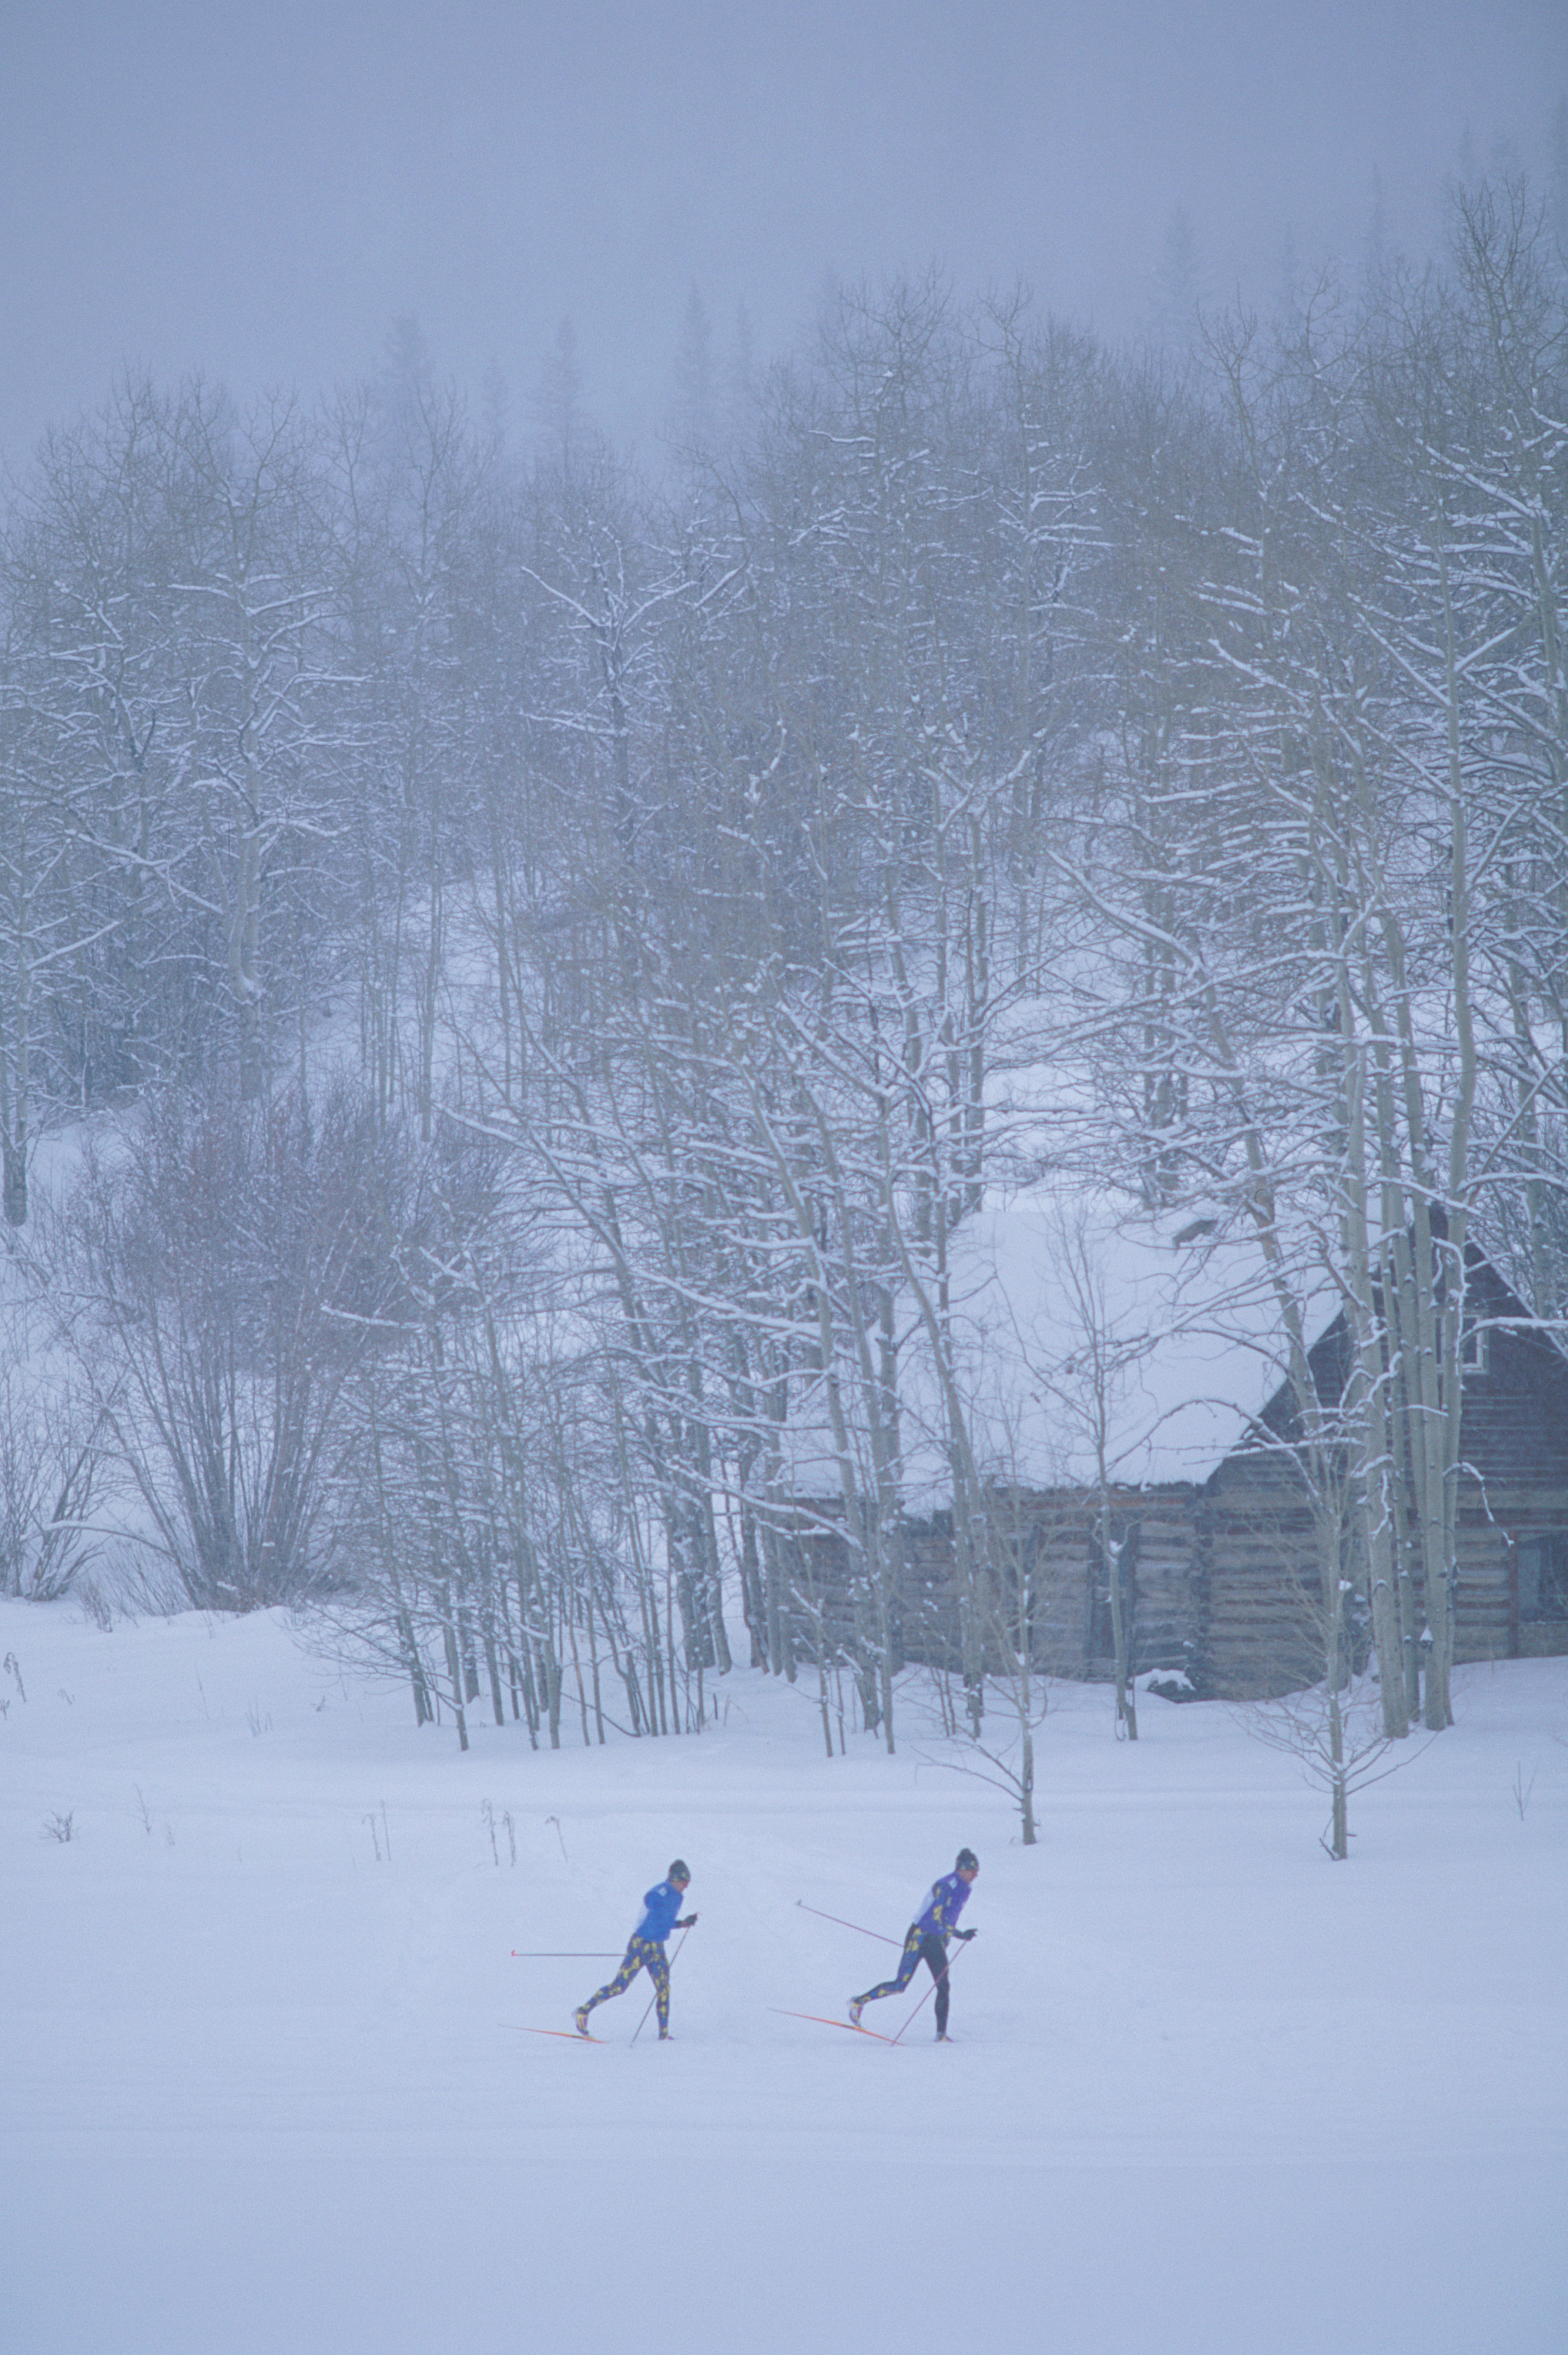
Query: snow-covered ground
point(262, 2094)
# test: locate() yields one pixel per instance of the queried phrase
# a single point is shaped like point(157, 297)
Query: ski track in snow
point(1209, 2089)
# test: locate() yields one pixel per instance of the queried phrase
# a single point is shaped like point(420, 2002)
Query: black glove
point(966, 1934)
point(691, 1918)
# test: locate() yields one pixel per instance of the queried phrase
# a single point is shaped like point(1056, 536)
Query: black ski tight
point(919, 1946)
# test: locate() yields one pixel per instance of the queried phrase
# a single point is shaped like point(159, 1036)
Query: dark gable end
point(1513, 1592)
point(1516, 1387)
point(1516, 1392)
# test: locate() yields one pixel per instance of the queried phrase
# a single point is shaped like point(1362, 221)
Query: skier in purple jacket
point(926, 1941)
point(646, 1952)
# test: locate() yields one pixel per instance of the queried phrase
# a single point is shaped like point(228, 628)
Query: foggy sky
point(260, 190)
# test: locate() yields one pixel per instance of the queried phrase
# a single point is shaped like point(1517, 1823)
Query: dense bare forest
point(513, 975)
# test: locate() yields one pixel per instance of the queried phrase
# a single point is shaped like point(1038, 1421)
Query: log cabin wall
point(1223, 1582)
point(1157, 1530)
point(1222, 1579)
point(1261, 1630)
point(1055, 1534)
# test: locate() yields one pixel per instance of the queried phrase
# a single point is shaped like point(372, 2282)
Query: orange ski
point(571, 2034)
point(851, 2027)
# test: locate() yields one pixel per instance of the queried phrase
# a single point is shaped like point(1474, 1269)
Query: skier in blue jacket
point(646, 1952)
point(926, 1941)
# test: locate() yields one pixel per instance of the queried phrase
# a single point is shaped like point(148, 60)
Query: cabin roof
point(1090, 1336)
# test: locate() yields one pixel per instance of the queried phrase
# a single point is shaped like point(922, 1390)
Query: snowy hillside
point(264, 2092)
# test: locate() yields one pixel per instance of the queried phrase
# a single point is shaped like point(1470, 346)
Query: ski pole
point(673, 1960)
point(847, 1925)
point(562, 1955)
point(926, 1998)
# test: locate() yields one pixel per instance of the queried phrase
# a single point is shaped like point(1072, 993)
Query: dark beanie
point(967, 1861)
point(679, 1871)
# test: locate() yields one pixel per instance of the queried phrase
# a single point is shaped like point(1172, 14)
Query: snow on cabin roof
point(1083, 1329)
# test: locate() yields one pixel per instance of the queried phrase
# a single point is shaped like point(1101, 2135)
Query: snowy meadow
point(264, 2087)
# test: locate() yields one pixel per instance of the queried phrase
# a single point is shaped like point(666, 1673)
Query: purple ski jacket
point(944, 1901)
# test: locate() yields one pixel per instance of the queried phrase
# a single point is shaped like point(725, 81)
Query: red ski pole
point(847, 1925)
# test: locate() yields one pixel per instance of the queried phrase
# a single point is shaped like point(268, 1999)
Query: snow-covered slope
point(262, 2091)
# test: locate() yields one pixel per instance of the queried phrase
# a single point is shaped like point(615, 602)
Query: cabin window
point(1473, 1349)
point(1543, 1577)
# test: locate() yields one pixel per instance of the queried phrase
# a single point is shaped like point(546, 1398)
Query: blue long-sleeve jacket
point(944, 1901)
point(660, 1907)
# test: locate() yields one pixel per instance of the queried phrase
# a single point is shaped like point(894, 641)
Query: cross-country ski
point(823, 2020)
point(571, 2035)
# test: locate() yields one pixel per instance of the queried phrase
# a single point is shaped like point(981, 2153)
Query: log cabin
point(1194, 1481)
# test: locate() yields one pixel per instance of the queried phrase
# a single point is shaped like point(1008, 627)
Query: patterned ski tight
point(919, 1946)
point(642, 1954)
